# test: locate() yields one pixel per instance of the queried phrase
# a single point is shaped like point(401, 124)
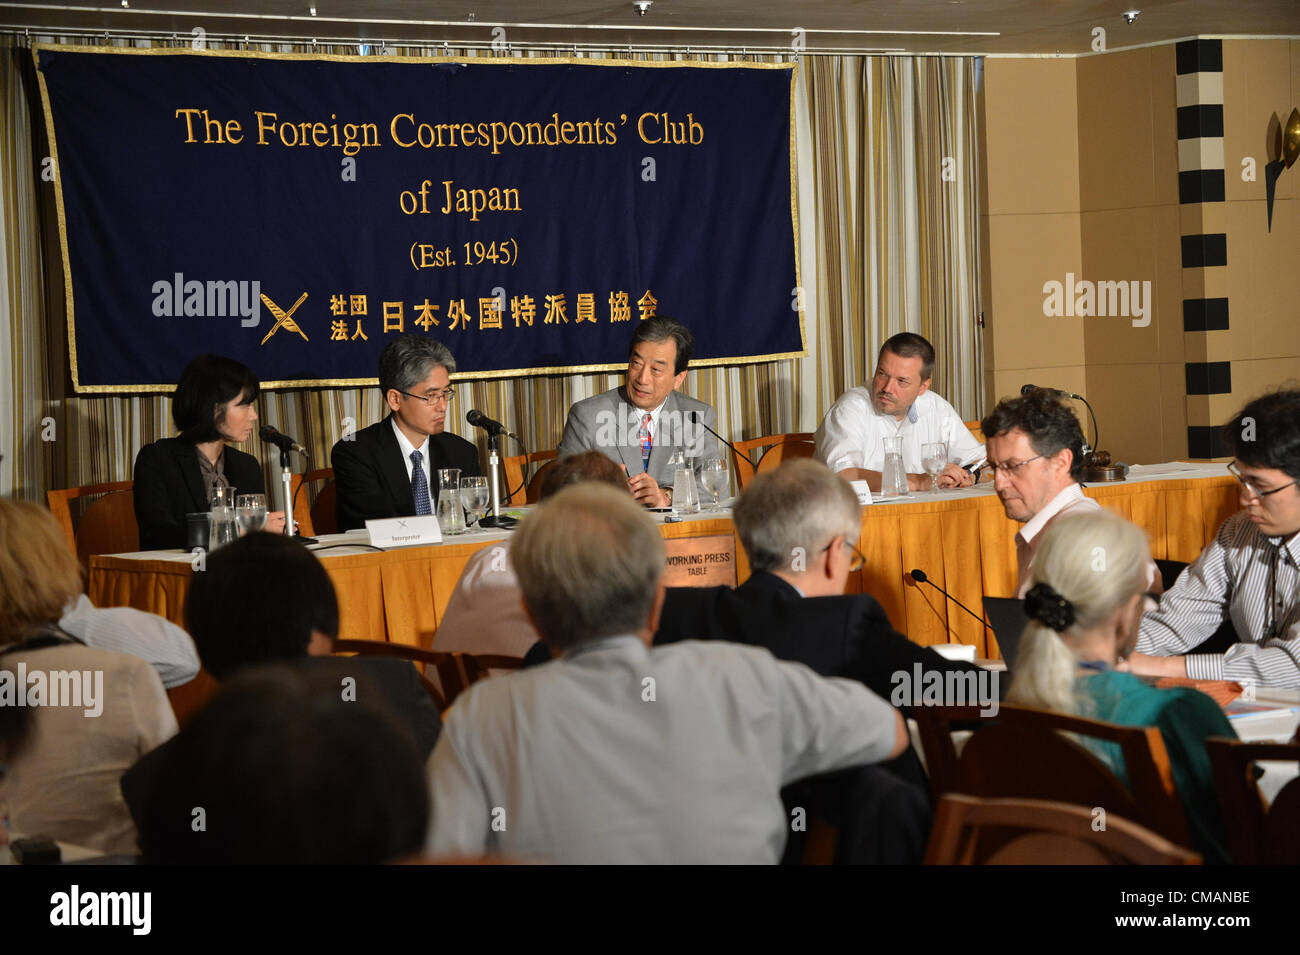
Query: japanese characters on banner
point(296, 212)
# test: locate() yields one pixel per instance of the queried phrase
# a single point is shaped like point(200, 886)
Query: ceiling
point(914, 26)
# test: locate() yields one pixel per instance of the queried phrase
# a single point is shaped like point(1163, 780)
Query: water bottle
point(893, 477)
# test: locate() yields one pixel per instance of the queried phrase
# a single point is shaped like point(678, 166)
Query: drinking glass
point(474, 496)
point(250, 513)
point(224, 528)
point(451, 516)
point(934, 458)
point(716, 480)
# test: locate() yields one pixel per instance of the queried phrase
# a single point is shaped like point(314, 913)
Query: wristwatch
point(669, 492)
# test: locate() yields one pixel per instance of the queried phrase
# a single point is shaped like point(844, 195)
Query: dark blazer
point(847, 636)
point(168, 485)
point(394, 682)
point(398, 685)
point(370, 473)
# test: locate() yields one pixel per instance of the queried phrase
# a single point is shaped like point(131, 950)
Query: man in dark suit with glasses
point(390, 469)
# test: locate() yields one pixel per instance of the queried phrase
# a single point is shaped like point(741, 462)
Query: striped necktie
point(647, 443)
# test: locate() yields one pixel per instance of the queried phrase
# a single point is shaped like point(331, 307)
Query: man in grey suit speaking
point(642, 424)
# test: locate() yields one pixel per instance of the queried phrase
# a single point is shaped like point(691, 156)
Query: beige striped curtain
point(888, 226)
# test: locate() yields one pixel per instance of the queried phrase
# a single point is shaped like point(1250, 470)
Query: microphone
point(919, 576)
point(1096, 435)
point(1026, 389)
point(281, 441)
point(479, 420)
point(694, 417)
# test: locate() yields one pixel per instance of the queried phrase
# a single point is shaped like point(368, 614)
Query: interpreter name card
point(862, 490)
point(404, 531)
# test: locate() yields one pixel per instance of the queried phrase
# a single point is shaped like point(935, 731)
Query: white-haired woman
point(1085, 605)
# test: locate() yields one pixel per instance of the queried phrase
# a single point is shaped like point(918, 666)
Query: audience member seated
point(267, 598)
point(1083, 627)
point(278, 770)
point(212, 406)
point(485, 613)
point(1035, 453)
point(619, 752)
point(799, 526)
point(1249, 573)
point(168, 648)
point(93, 712)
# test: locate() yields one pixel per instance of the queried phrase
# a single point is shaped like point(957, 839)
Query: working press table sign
point(294, 211)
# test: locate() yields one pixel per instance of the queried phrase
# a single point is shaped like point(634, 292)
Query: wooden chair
point(479, 666)
point(780, 447)
point(319, 516)
point(974, 428)
point(450, 673)
point(188, 698)
point(972, 831)
point(1257, 834)
point(108, 525)
point(1023, 753)
point(512, 476)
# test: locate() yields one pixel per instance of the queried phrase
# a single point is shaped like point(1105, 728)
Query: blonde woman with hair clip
point(1085, 605)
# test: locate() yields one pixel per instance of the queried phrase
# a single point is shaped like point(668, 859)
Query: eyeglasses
point(1255, 493)
point(433, 398)
point(858, 561)
point(1010, 470)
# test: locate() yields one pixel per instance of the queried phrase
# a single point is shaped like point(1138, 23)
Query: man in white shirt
point(620, 752)
point(167, 648)
point(898, 403)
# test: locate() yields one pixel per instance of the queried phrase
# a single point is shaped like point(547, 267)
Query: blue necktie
point(419, 484)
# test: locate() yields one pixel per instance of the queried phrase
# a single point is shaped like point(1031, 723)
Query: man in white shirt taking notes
point(623, 752)
point(897, 403)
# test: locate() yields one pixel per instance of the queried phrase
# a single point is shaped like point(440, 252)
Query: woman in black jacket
point(213, 405)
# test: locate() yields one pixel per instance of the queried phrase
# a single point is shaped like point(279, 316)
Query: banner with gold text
point(295, 212)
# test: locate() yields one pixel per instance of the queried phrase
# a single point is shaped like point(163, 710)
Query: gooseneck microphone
point(281, 441)
point(479, 420)
point(1096, 435)
point(495, 430)
point(694, 418)
point(919, 576)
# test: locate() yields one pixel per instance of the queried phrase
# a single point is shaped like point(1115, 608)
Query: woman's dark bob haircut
point(207, 383)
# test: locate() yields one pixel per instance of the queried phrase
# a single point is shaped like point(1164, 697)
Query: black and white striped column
point(1201, 181)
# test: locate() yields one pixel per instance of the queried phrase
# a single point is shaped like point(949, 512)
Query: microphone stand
point(286, 482)
point(494, 482)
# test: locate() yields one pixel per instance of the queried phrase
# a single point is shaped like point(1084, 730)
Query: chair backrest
point(512, 476)
point(314, 516)
point(779, 447)
point(974, 428)
point(449, 672)
point(1023, 753)
point(973, 831)
point(1257, 834)
point(107, 526)
point(188, 698)
point(479, 666)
